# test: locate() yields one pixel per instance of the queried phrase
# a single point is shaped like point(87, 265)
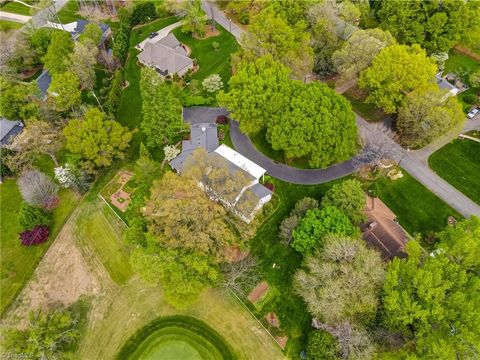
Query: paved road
point(415, 163)
point(22, 19)
point(213, 11)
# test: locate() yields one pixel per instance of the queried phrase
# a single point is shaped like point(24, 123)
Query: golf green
point(176, 337)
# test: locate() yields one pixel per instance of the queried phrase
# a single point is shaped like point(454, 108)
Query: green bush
point(197, 100)
point(31, 216)
point(469, 98)
point(321, 346)
point(143, 12)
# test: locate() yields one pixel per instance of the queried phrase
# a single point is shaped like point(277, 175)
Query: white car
point(472, 113)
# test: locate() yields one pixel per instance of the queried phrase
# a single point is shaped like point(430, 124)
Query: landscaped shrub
point(38, 235)
point(322, 346)
point(215, 45)
point(469, 98)
point(37, 189)
point(212, 83)
point(270, 186)
point(196, 100)
point(143, 12)
point(31, 216)
point(221, 119)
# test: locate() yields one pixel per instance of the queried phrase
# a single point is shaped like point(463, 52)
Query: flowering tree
point(37, 189)
point(38, 235)
point(70, 176)
point(212, 83)
point(171, 152)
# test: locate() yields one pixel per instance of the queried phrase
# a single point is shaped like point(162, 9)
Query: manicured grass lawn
point(130, 109)
point(99, 230)
point(18, 262)
point(368, 111)
point(6, 25)
point(418, 210)
point(210, 61)
point(459, 164)
point(16, 8)
point(68, 13)
point(176, 337)
point(266, 246)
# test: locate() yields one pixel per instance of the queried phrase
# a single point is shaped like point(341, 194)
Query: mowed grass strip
point(418, 210)
point(210, 61)
point(130, 110)
point(17, 8)
point(6, 25)
point(96, 231)
point(176, 337)
point(18, 262)
point(459, 164)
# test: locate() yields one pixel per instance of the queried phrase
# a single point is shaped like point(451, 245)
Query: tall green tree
point(56, 60)
point(349, 197)
point(257, 92)
point(436, 26)
point(316, 123)
point(359, 50)
point(396, 71)
point(92, 32)
point(16, 100)
point(195, 19)
point(434, 299)
point(83, 61)
point(161, 109)
point(316, 225)
point(65, 91)
point(96, 140)
point(271, 34)
point(428, 113)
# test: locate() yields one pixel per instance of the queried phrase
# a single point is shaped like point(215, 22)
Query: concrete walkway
point(22, 19)
point(219, 16)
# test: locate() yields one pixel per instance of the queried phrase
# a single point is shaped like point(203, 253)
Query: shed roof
point(241, 161)
point(43, 83)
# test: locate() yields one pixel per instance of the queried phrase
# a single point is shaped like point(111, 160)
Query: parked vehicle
point(473, 112)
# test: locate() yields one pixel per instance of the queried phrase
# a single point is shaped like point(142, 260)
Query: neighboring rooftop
point(76, 28)
point(382, 230)
point(43, 83)
point(9, 129)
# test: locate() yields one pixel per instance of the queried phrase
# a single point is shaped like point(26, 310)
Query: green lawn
point(130, 109)
point(18, 262)
point(6, 25)
point(418, 210)
point(16, 8)
point(209, 60)
point(368, 111)
point(176, 337)
point(98, 229)
point(459, 164)
point(69, 12)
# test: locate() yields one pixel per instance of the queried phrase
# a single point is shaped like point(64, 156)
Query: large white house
point(252, 195)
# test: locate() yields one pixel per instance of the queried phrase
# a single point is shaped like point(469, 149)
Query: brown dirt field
point(258, 292)
point(62, 277)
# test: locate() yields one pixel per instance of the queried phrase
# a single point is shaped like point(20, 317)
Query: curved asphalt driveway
point(244, 146)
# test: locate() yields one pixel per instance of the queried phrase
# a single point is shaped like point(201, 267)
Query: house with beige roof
point(167, 56)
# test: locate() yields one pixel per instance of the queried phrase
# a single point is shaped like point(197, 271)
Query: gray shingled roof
point(166, 55)
point(9, 129)
point(260, 191)
point(43, 83)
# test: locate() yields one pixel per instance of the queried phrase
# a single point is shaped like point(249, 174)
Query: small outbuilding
point(9, 130)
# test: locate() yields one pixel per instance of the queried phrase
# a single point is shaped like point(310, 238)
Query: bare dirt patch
point(258, 292)
point(62, 277)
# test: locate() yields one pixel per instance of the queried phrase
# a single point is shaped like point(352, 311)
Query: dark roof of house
point(260, 191)
point(43, 83)
point(9, 129)
point(203, 114)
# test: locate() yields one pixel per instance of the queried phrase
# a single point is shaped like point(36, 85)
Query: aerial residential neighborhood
point(239, 179)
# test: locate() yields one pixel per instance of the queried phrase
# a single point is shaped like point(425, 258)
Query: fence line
point(113, 210)
point(253, 315)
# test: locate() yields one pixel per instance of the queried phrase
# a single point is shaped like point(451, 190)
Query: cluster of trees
point(35, 223)
point(303, 120)
point(49, 335)
point(122, 38)
point(188, 235)
point(341, 210)
point(423, 306)
point(115, 92)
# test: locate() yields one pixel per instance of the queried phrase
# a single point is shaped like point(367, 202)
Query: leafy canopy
point(348, 196)
point(396, 71)
point(56, 60)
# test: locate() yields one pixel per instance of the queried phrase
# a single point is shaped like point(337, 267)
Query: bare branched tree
point(354, 341)
point(241, 275)
point(37, 189)
point(377, 143)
